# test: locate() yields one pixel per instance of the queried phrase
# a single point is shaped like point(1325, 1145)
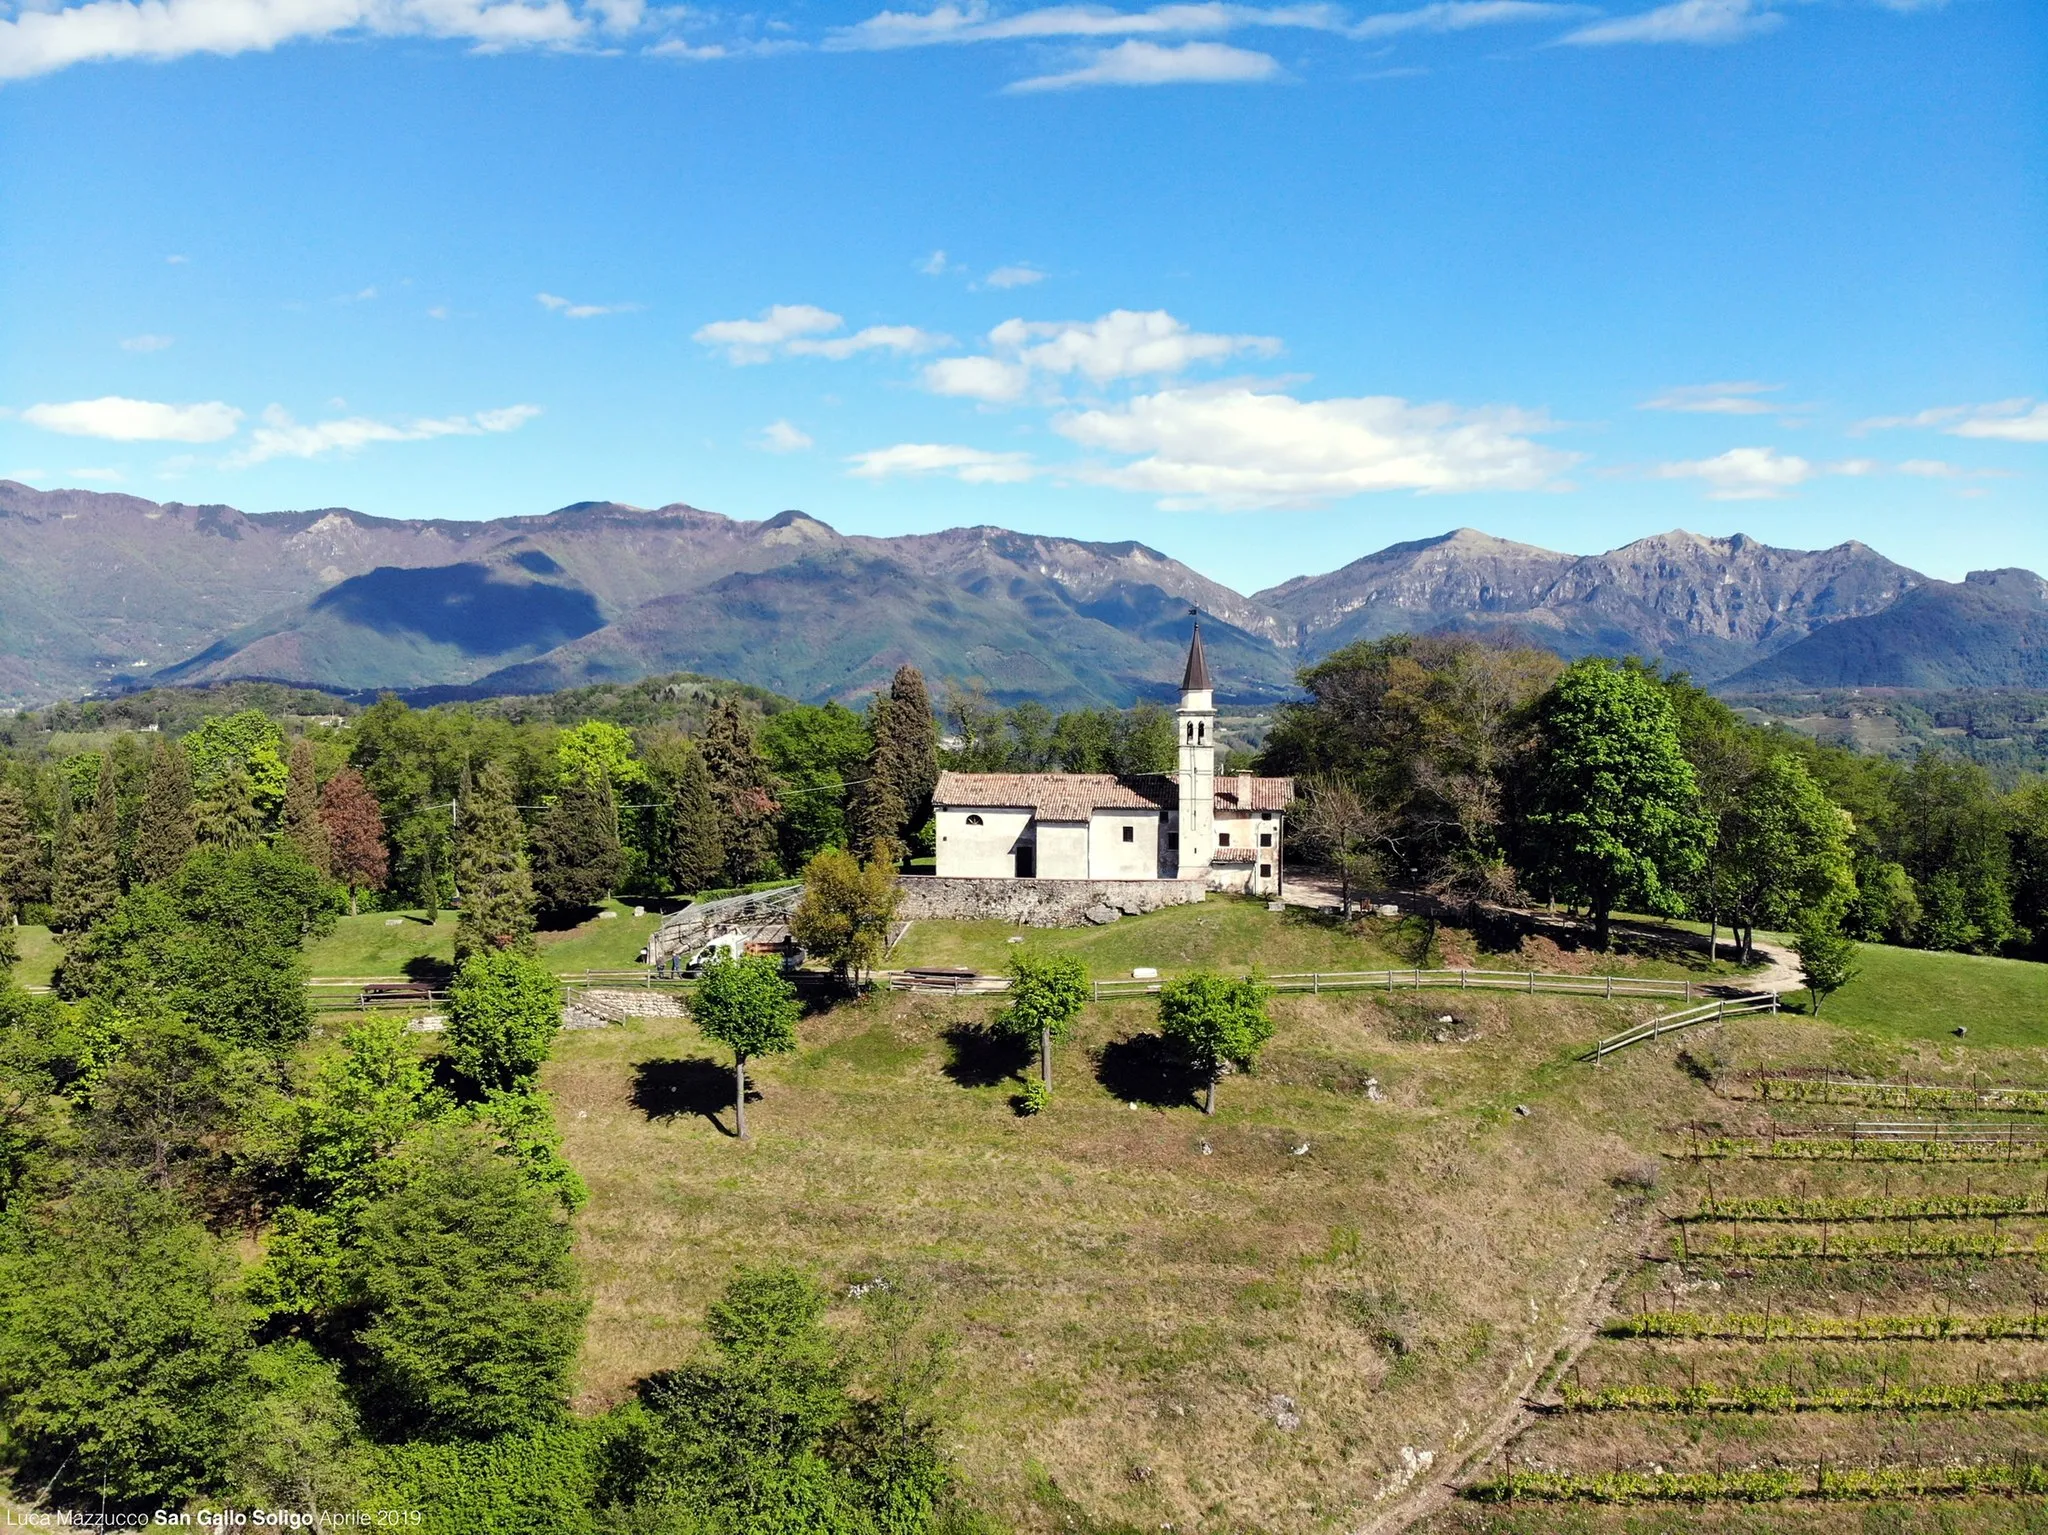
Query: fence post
point(1532, 983)
point(1315, 983)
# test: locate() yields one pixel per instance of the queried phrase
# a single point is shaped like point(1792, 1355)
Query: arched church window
point(1202, 733)
point(974, 820)
point(1191, 731)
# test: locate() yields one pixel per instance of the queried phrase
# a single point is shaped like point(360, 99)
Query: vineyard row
point(1947, 1396)
point(1759, 1148)
point(1856, 1484)
point(1763, 1327)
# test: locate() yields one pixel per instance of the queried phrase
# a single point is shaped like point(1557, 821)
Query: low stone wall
point(1043, 902)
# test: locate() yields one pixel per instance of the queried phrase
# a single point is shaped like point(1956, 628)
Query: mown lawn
point(40, 953)
point(386, 942)
point(1915, 994)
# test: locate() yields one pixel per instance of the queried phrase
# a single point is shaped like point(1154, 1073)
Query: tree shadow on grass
point(983, 1057)
point(1148, 1069)
point(425, 967)
point(663, 1089)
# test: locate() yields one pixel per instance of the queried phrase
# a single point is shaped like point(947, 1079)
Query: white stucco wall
point(987, 851)
point(1247, 829)
point(1062, 850)
point(1110, 857)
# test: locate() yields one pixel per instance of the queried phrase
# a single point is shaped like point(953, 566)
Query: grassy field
point(1913, 994)
point(387, 942)
point(40, 952)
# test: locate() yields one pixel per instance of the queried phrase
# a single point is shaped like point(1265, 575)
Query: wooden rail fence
point(1671, 1023)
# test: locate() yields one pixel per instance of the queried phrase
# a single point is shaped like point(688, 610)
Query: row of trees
point(1479, 771)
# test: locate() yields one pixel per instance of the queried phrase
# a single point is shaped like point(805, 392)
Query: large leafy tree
point(1047, 993)
point(353, 826)
point(88, 866)
point(299, 821)
point(124, 1348)
point(220, 945)
point(844, 914)
point(1953, 833)
point(779, 1430)
point(165, 1106)
point(740, 784)
point(249, 741)
point(578, 858)
point(1781, 851)
point(164, 836)
point(491, 869)
point(1218, 1022)
point(503, 1010)
point(747, 1006)
point(1612, 803)
point(815, 753)
point(473, 1313)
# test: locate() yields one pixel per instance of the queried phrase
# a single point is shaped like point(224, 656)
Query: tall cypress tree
point(739, 784)
point(163, 830)
point(694, 855)
point(298, 820)
point(491, 870)
point(23, 875)
point(577, 856)
point(88, 872)
point(915, 738)
point(879, 810)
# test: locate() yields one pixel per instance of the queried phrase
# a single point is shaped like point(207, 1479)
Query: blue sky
point(1266, 287)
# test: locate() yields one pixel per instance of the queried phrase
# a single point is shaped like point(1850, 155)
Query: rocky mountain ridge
point(100, 591)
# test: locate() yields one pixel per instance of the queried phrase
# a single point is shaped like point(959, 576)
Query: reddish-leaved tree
point(355, 834)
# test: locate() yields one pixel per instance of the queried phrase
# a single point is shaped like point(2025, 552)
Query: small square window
point(1265, 839)
point(1223, 839)
point(1130, 834)
point(1265, 871)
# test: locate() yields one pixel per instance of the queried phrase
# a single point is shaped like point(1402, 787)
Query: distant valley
point(105, 591)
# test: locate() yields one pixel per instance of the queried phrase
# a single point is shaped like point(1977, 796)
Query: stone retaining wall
point(1043, 902)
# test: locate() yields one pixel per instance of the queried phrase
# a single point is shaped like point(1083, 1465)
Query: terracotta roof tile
point(1241, 791)
point(1050, 796)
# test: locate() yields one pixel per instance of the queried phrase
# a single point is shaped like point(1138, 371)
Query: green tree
point(164, 836)
point(1084, 740)
point(1218, 1022)
point(491, 870)
point(1781, 849)
point(1612, 802)
point(781, 1430)
point(249, 741)
point(299, 821)
point(1954, 836)
point(1333, 823)
point(88, 867)
point(1047, 993)
point(472, 1305)
point(578, 859)
point(1827, 956)
point(166, 1105)
point(815, 753)
point(300, 1445)
point(503, 1011)
point(220, 946)
point(746, 1005)
point(740, 786)
point(1144, 746)
point(844, 914)
point(904, 767)
point(228, 813)
point(693, 846)
point(124, 1350)
point(24, 878)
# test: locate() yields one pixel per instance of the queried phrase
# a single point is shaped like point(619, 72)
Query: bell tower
point(1195, 727)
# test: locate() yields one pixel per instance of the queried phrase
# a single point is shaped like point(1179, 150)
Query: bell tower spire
point(1195, 734)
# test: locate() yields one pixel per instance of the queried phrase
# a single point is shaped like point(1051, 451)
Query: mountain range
point(100, 591)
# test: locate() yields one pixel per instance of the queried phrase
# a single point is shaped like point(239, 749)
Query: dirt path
point(1430, 1496)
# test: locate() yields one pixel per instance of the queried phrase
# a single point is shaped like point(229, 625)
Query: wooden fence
point(1671, 1023)
point(1604, 986)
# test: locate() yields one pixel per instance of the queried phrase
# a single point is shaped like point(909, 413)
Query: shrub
point(1035, 1098)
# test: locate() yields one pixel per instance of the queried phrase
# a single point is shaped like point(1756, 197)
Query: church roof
point(1050, 796)
point(1241, 791)
point(1196, 678)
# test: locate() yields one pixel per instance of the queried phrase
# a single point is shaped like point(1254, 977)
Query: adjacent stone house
point(1228, 833)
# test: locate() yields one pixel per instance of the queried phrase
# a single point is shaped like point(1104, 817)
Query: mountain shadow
point(468, 606)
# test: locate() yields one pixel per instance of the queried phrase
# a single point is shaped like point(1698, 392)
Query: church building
point(1226, 832)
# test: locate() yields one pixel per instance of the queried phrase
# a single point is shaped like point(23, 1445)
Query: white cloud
point(2018, 420)
point(145, 343)
point(1731, 399)
point(1019, 276)
point(1743, 474)
point(783, 437)
point(677, 48)
point(976, 23)
point(1140, 63)
point(282, 437)
point(1124, 343)
point(569, 311)
point(110, 476)
point(804, 330)
point(124, 420)
point(1460, 16)
point(974, 466)
point(438, 312)
point(1684, 21)
point(935, 265)
point(37, 42)
point(1236, 447)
